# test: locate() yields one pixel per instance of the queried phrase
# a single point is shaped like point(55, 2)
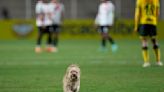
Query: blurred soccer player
point(57, 18)
point(43, 22)
point(104, 20)
point(146, 18)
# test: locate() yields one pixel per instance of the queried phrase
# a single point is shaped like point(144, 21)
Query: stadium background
point(79, 17)
point(75, 9)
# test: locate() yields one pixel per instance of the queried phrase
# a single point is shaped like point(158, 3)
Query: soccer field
point(22, 70)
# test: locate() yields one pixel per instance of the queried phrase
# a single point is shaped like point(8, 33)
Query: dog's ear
point(67, 72)
point(68, 69)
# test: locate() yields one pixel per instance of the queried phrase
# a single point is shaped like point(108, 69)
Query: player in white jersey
point(43, 22)
point(57, 10)
point(104, 20)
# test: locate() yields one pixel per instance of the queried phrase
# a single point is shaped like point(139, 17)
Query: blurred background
point(79, 18)
point(75, 9)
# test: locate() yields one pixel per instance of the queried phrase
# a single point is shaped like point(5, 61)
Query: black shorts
point(103, 29)
point(45, 29)
point(147, 30)
point(56, 28)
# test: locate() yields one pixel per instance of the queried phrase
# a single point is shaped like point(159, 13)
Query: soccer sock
point(145, 54)
point(103, 43)
point(56, 41)
point(40, 35)
point(157, 53)
point(156, 50)
point(111, 40)
point(49, 40)
point(39, 39)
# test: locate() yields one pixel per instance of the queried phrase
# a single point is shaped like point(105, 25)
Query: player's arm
point(111, 11)
point(158, 10)
point(40, 15)
point(50, 11)
point(96, 22)
point(137, 17)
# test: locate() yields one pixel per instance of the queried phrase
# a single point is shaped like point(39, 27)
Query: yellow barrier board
point(26, 29)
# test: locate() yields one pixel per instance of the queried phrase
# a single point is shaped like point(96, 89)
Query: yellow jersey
point(148, 11)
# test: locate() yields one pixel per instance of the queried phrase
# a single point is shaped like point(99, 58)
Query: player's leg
point(103, 40)
point(145, 52)
point(39, 39)
point(49, 39)
point(143, 31)
point(54, 42)
point(156, 50)
point(110, 39)
point(103, 32)
point(55, 37)
point(112, 42)
point(153, 33)
point(114, 46)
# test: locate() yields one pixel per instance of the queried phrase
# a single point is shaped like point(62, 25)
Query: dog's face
point(73, 72)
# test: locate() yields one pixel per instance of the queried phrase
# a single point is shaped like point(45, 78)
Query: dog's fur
point(71, 80)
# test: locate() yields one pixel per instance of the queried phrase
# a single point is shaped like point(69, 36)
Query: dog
point(71, 80)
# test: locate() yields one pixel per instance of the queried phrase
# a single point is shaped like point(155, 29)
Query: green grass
point(22, 70)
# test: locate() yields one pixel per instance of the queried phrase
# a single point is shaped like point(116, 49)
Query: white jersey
point(57, 10)
point(43, 8)
point(105, 16)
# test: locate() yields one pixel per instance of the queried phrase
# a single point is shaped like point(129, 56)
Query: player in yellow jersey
point(146, 18)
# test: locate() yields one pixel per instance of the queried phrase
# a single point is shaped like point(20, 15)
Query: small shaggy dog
point(71, 80)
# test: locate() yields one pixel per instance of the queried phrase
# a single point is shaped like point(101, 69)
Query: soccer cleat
point(38, 49)
point(147, 64)
point(114, 48)
point(159, 63)
point(53, 49)
point(48, 49)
